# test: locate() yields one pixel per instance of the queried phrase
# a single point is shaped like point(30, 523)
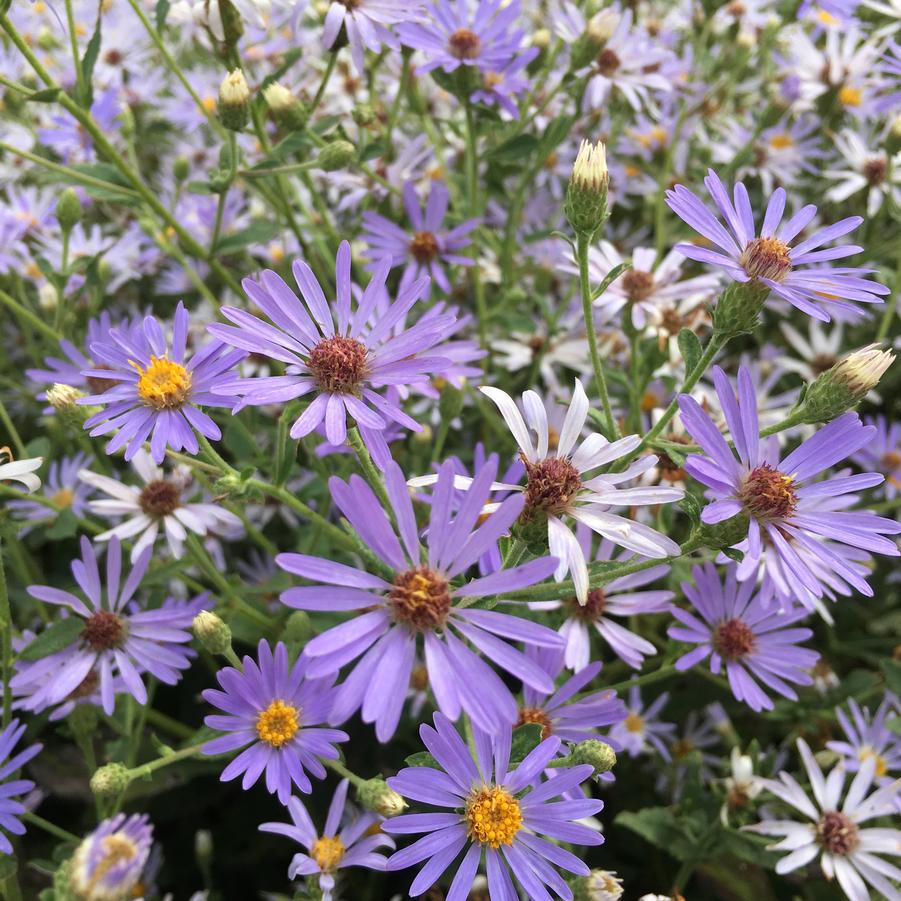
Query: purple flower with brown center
point(740, 633)
point(346, 354)
point(790, 272)
point(10, 809)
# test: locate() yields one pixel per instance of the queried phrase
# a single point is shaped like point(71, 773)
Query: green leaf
point(659, 827)
point(525, 738)
point(199, 187)
point(514, 149)
point(48, 95)
point(557, 131)
point(54, 638)
point(422, 758)
point(257, 233)
point(690, 348)
point(162, 11)
point(89, 60)
point(66, 526)
point(38, 447)
point(892, 672)
point(894, 725)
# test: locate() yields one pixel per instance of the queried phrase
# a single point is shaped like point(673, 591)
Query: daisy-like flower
point(62, 487)
point(866, 736)
point(278, 709)
point(417, 607)
point(350, 839)
point(115, 639)
point(833, 829)
point(427, 245)
point(109, 862)
point(157, 389)
point(863, 170)
point(21, 471)
point(752, 639)
point(160, 503)
point(883, 453)
point(790, 272)
point(624, 597)
point(557, 485)
point(342, 354)
point(741, 785)
point(496, 812)
point(640, 732)
point(789, 524)
point(10, 809)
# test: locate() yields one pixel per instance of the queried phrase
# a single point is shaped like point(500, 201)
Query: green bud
point(727, 533)
point(203, 844)
point(110, 780)
point(737, 312)
point(234, 486)
point(64, 399)
point(586, 194)
point(212, 632)
point(364, 114)
point(451, 401)
point(234, 101)
point(599, 885)
point(181, 168)
point(68, 210)
point(232, 26)
point(286, 109)
point(62, 888)
point(83, 719)
point(336, 155)
point(532, 532)
point(375, 794)
point(298, 627)
point(598, 753)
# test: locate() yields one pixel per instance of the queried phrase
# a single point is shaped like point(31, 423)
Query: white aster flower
point(20, 470)
point(863, 169)
point(742, 785)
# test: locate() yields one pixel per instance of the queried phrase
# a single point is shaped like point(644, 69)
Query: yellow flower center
point(163, 384)
point(493, 816)
point(633, 723)
point(849, 96)
point(781, 142)
point(278, 724)
point(826, 18)
point(881, 765)
point(327, 852)
point(64, 497)
point(209, 103)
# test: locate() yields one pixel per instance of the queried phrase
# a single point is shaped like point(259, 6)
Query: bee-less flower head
point(586, 194)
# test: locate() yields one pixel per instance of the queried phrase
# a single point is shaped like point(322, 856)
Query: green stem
point(472, 203)
point(172, 726)
point(226, 468)
point(31, 318)
point(13, 432)
point(81, 88)
point(891, 306)
point(223, 194)
point(373, 476)
point(7, 626)
point(50, 828)
point(659, 675)
point(145, 769)
point(338, 767)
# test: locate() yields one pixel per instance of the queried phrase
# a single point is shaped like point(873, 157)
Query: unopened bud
point(599, 885)
point(110, 780)
point(234, 101)
point(424, 436)
point(598, 753)
point(586, 194)
point(286, 109)
point(726, 533)
point(601, 26)
point(298, 627)
point(377, 796)
point(451, 402)
point(203, 844)
point(181, 168)
point(541, 39)
point(83, 719)
point(737, 312)
point(48, 297)
point(845, 384)
point(335, 155)
point(212, 632)
point(64, 398)
point(68, 210)
point(364, 114)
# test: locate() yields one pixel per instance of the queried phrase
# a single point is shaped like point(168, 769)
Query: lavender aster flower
point(342, 354)
point(277, 710)
point(867, 736)
point(768, 258)
point(109, 862)
point(497, 812)
point(352, 845)
point(428, 245)
point(833, 829)
point(62, 487)
point(778, 495)
point(883, 453)
point(751, 638)
point(640, 731)
point(416, 606)
point(115, 639)
point(157, 390)
point(10, 809)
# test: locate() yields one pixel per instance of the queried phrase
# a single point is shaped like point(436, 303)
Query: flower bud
point(375, 795)
point(586, 194)
point(48, 297)
point(737, 312)
point(451, 401)
point(83, 719)
point(110, 780)
point(64, 398)
point(335, 155)
point(598, 753)
point(286, 109)
point(602, 25)
point(845, 384)
point(599, 885)
point(724, 534)
point(234, 101)
point(68, 210)
point(181, 168)
point(203, 844)
point(541, 39)
point(212, 632)
point(298, 627)
point(364, 114)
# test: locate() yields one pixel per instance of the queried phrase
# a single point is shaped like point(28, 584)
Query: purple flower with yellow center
point(415, 604)
point(883, 453)
point(349, 839)
point(157, 389)
point(788, 523)
point(63, 487)
point(347, 356)
point(277, 709)
point(790, 272)
point(115, 639)
point(641, 731)
point(867, 735)
point(498, 812)
point(10, 809)
point(109, 862)
point(424, 248)
point(751, 639)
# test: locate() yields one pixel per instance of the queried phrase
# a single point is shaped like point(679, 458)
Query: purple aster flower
point(62, 486)
point(617, 598)
point(344, 355)
point(115, 639)
point(787, 520)
point(427, 245)
point(346, 840)
point(277, 709)
point(640, 731)
point(109, 862)
point(465, 33)
point(883, 453)
point(738, 629)
point(157, 390)
point(73, 142)
point(790, 273)
point(496, 812)
point(417, 606)
point(867, 736)
point(10, 809)
point(500, 87)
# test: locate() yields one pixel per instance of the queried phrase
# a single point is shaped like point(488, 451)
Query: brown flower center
point(734, 639)
point(875, 170)
point(339, 364)
point(159, 498)
point(104, 631)
point(638, 285)
point(99, 385)
point(86, 687)
point(766, 258)
point(419, 678)
point(464, 44)
point(837, 833)
point(420, 598)
point(768, 493)
point(593, 608)
point(552, 484)
point(891, 460)
point(424, 247)
point(538, 716)
point(607, 62)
